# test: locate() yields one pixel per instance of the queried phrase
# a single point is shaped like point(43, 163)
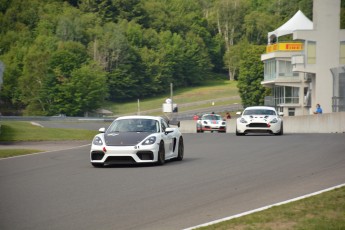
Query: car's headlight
point(97, 141)
point(205, 122)
point(242, 120)
point(149, 141)
point(275, 120)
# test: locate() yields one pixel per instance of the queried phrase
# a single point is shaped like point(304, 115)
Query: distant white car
point(137, 139)
point(259, 119)
point(211, 122)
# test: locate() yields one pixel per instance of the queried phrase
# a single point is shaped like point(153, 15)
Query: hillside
point(70, 56)
point(217, 92)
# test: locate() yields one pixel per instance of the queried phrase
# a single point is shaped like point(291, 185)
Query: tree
point(35, 68)
point(233, 57)
point(84, 92)
point(227, 16)
point(257, 24)
point(250, 77)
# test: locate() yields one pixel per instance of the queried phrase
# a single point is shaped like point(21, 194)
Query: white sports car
point(211, 122)
point(259, 119)
point(137, 139)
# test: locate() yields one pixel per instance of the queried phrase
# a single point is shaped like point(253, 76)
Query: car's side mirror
point(101, 130)
point(168, 130)
point(281, 114)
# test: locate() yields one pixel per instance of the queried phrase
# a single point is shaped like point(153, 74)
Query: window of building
point(291, 112)
point(270, 70)
point(285, 68)
point(291, 95)
point(285, 95)
point(311, 52)
point(342, 52)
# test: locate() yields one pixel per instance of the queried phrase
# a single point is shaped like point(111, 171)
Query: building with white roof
point(310, 69)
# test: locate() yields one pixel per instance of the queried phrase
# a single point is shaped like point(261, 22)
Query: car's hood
point(259, 118)
point(125, 138)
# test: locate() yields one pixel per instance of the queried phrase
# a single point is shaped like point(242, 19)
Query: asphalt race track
point(221, 175)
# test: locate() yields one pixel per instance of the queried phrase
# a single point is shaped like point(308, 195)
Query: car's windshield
point(134, 125)
point(259, 112)
point(211, 117)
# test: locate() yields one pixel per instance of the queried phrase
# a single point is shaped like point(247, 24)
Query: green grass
point(17, 152)
point(211, 90)
point(25, 131)
point(324, 211)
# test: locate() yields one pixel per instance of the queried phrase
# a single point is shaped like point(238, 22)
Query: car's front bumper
point(213, 128)
point(219, 128)
point(258, 127)
point(124, 154)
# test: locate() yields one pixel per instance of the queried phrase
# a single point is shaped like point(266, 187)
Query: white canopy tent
point(298, 22)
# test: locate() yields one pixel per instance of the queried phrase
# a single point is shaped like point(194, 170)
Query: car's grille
point(120, 160)
point(97, 155)
point(258, 125)
point(145, 155)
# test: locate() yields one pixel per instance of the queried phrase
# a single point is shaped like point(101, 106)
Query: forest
point(69, 57)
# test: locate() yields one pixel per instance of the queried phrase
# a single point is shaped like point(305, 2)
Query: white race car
point(211, 122)
point(259, 119)
point(137, 139)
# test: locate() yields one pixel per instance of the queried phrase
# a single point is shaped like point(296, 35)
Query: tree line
point(70, 56)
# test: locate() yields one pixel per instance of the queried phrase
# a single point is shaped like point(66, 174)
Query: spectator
point(318, 109)
point(228, 116)
point(195, 117)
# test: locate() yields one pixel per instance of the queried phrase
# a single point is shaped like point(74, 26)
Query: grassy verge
point(17, 152)
point(324, 211)
point(12, 131)
point(25, 131)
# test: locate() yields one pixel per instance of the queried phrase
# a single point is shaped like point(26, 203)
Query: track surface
point(221, 175)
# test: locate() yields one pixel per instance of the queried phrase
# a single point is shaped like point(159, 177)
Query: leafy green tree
point(68, 57)
point(114, 10)
point(257, 24)
point(35, 68)
point(84, 92)
point(111, 47)
point(233, 57)
point(196, 63)
point(250, 77)
point(10, 93)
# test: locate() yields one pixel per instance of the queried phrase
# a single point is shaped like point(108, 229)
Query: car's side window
point(164, 125)
point(157, 127)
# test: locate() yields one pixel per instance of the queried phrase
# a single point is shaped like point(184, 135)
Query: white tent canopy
point(298, 22)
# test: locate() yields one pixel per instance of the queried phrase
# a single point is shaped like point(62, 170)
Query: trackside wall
point(325, 123)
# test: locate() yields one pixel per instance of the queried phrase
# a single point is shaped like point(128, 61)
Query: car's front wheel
point(161, 154)
point(238, 133)
point(180, 150)
point(281, 132)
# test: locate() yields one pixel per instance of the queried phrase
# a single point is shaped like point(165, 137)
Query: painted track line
point(264, 208)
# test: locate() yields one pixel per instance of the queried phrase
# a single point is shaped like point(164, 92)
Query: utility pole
point(171, 97)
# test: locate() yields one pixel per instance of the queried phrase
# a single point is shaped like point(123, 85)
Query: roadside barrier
point(318, 123)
